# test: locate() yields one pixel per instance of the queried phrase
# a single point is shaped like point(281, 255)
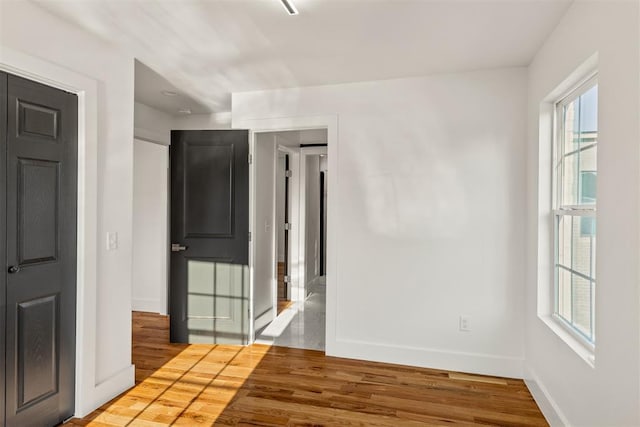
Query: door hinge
point(250, 159)
point(249, 236)
point(287, 226)
point(288, 174)
point(287, 279)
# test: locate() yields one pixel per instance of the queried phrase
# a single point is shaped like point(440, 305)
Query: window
point(574, 209)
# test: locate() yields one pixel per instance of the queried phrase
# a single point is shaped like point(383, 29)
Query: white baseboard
point(547, 405)
point(107, 390)
point(474, 363)
point(150, 305)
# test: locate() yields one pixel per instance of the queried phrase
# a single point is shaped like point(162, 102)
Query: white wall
point(429, 218)
point(312, 220)
point(151, 124)
point(264, 278)
point(607, 394)
point(202, 121)
point(150, 212)
point(52, 40)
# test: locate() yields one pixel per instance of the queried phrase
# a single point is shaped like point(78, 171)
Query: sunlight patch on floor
point(277, 327)
point(192, 388)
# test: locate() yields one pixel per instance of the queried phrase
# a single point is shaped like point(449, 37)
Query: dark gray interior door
point(41, 173)
point(209, 280)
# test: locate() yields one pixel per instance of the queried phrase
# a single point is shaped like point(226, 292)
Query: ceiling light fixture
point(184, 111)
point(169, 93)
point(291, 9)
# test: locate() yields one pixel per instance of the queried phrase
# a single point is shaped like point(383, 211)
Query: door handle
point(176, 247)
point(14, 269)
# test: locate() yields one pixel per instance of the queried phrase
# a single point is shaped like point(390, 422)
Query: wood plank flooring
point(283, 303)
point(260, 385)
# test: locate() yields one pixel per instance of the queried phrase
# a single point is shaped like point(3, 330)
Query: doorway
point(289, 283)
point(38, 213)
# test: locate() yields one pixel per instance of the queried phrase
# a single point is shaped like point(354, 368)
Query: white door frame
point(294, 219)
point(302, 256)
point(88, 393)
point(329, 122)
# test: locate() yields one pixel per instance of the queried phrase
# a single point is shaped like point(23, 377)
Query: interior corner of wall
point(549, 408)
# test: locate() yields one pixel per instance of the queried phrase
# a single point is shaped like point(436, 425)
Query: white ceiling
point(149, 88)
point(211, 48)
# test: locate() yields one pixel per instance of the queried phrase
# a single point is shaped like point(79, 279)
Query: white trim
point(150, 305)
point(581, 346)
point(475, 363)
point(548, 143)
point(252, 233)
point(88, 394)
point(300, 123)
point(302, 236)
point(108, 389)
point(264, 318)
point(293, 287)
point(549, 408)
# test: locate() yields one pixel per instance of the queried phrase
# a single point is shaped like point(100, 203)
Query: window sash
point(576, 210)
point(561, 210)
point(568, 324)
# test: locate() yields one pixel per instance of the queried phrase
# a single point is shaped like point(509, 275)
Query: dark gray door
point(209, 289)
point(41, 159)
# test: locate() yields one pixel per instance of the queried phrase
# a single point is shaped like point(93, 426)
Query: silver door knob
point(177, 247)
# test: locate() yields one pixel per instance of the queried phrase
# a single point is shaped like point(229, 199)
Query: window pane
point(588, 186)
point(581, 121)
point(582, 304)
point(575, 301)
point(578, 154)
point(564, 294)
point(588, 124)
point(579, 178)
point(576, 244)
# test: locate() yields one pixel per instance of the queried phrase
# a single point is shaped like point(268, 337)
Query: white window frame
point(559, 211)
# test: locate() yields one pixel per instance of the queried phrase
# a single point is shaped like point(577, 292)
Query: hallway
point(300, 325)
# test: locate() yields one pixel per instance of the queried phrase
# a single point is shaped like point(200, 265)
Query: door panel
point(209, 168)
point(38, 193)
point(209, 296)
point(37, 339)
point(41, 252)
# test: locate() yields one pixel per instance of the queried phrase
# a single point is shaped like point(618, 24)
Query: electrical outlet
point(112, 240)
point(465, 323)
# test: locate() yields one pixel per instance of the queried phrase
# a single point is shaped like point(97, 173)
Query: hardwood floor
point(259, 385)
point(283, 303)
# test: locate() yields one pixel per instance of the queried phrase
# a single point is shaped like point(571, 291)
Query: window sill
point(580, 348)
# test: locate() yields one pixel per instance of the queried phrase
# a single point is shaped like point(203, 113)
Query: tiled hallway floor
point(300, 326)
